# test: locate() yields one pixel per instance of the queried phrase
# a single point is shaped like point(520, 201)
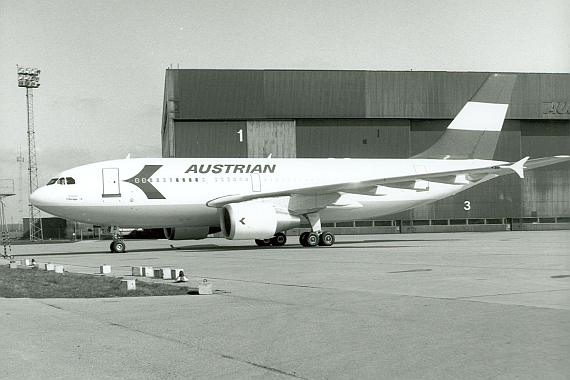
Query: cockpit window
point(62, 181)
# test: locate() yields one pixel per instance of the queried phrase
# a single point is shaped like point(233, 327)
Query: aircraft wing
point(368, 187)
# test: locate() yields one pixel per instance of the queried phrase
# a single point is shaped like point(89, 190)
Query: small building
point(52, 229)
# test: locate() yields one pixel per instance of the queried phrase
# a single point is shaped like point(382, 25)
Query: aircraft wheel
point(118, 247)
point(263, 242)
point(303, 239)
point(279, 239)
point(312, 239)
point(326, 239)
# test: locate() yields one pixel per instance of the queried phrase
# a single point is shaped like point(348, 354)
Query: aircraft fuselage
point(162, 192)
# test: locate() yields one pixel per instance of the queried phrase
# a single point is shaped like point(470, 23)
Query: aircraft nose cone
point(39, 197)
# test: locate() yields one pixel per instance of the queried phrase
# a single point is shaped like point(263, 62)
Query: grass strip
point(25, 282)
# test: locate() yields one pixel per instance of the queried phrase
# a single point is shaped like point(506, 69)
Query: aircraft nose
point(40, 197)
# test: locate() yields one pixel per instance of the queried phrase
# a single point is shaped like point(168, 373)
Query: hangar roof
point(305, 94)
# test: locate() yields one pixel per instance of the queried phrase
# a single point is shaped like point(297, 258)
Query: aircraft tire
point(279, 239)
point(326, 239)
point(263, 242)
point(118, 247)
point(312, 239)
point(303, 239)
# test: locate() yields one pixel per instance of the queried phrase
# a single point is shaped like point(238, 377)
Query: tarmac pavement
point(418, 306)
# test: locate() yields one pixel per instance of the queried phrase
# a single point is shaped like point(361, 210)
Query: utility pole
point(6, 190)
point(29, 79)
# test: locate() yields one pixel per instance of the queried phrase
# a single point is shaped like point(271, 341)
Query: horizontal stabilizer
point(545, 161)
point(518, 166)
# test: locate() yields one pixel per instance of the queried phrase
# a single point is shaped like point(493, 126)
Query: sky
point(103, 62)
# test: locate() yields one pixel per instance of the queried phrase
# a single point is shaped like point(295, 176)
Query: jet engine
point(255, 220)
point(186, 233)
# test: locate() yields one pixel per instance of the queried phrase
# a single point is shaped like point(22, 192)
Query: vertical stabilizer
point(474, 132)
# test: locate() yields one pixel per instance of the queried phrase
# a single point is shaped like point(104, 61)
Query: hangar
point(378, 114)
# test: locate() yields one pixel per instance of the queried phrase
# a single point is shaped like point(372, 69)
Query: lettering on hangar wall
point(555, 108)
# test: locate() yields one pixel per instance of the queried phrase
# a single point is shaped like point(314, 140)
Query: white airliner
point(259, 199)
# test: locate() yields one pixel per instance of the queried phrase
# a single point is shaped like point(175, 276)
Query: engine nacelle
point(254, 221)
point(186, 233)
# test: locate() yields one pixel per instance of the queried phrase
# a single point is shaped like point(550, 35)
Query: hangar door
point(210, 139)
point(111, 183)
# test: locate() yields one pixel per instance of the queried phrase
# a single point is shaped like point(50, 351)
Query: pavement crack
point(510, 294)
point(412, 270)
point(264, 283)
point(55, 307)
point(271, 369)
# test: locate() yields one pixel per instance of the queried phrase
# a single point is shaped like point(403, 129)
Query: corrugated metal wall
point(419, 95)
point(220, 94)
point(314, 94)
point(295, 94)
point(355, 138)
point(546, 192)
point(210, 139)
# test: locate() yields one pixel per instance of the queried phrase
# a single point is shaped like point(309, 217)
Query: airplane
point(261, 198)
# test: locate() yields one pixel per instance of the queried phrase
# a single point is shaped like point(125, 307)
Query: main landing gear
point(307, 239)
point(118, 245)
point(278, 240)
point(316, 236)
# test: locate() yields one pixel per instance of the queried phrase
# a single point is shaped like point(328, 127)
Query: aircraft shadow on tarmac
point(214, 247)
point(223, 248)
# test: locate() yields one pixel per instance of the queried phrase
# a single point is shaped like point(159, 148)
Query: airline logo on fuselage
point(144, 182)
point(230, 168)
point(141, 180)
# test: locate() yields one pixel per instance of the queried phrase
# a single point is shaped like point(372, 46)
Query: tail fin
point(475, 130)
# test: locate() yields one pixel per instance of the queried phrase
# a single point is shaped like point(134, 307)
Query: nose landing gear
point(118, 245)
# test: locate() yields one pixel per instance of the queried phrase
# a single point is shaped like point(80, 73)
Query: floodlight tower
point(29, 78)
point(20, 160)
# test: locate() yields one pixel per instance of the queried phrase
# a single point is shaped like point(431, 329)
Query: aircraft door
point(255, 183)
point(111, 186)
